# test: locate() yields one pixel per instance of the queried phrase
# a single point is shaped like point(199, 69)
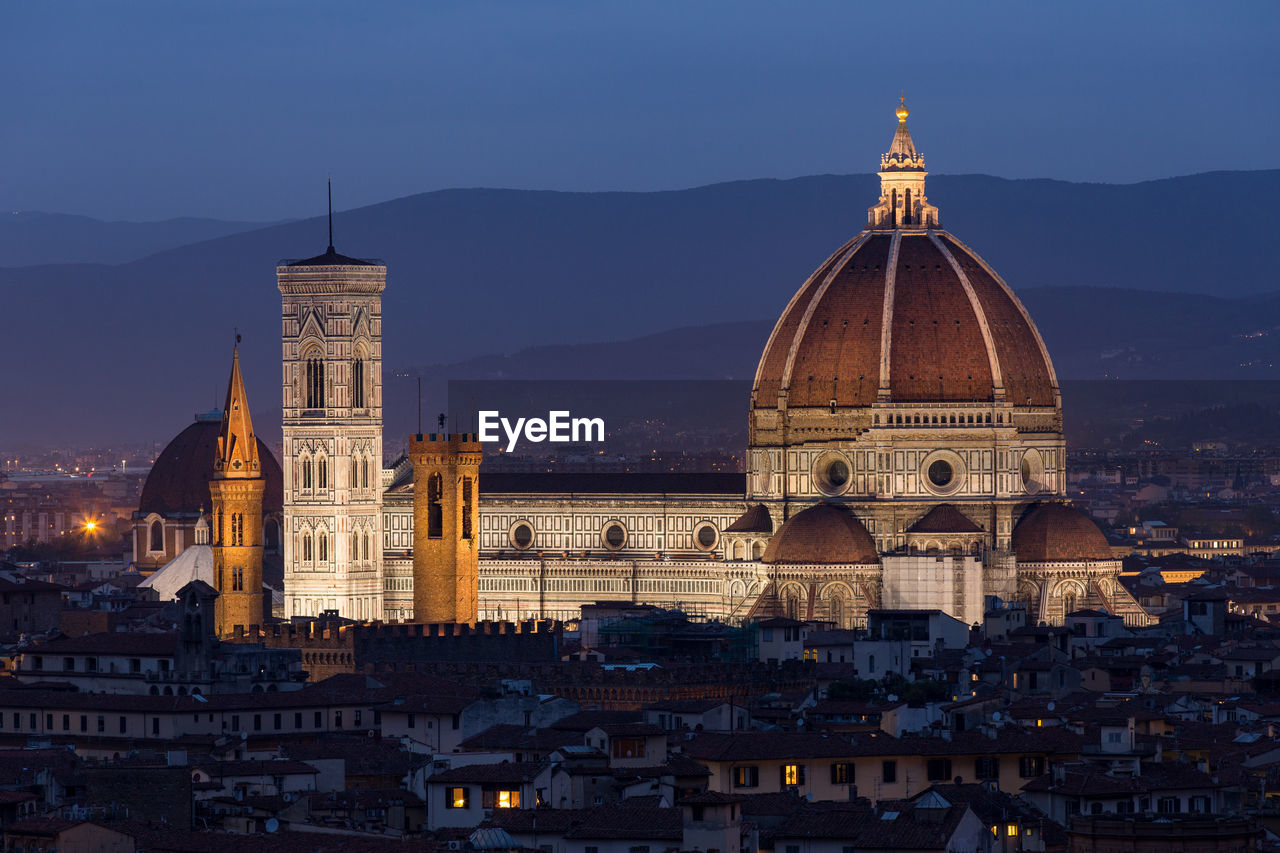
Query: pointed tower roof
point(237, 454)
point(902, 152)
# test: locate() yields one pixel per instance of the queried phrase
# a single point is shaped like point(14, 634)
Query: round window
point(614, 536)
point(1032, 470)
point(522, 535)
point(706, 537)
point(831, 473)
point(942, 473)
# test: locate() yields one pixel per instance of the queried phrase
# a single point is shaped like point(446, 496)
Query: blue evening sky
point(239, 109)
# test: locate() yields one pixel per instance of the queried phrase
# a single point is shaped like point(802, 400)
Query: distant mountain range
point(29, 238)
point(1115, 276)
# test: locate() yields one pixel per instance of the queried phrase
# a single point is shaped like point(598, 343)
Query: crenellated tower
point(446, 527)
point(236, 491)
point(331, 398)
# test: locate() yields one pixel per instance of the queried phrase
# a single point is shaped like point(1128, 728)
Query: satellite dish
point(272, 824)
point(995, 717)
point(287, 796)
point(244, 736)
point(1049, 707)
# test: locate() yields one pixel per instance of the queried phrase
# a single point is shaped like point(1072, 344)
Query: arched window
point(435, 511)
point(364, 472)
point(837, 611)
point(157, 536)
point(315, 383)
point(906, 208)
point(368, 545)
point(322, 541)
point(306, 547)
point(355, 546)
point(467, 489)
point(893, 209)
point(358, 399)
point(355, 470)
point(322, 473)
point(306, 473)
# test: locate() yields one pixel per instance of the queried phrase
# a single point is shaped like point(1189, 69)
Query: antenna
point(331, 216)
point(419, 405)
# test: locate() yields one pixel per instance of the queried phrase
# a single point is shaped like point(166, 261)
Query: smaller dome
point(823, 535)
point(1057, 533)
point(754, 520)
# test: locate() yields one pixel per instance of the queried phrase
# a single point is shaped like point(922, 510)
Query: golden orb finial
point(902, 107)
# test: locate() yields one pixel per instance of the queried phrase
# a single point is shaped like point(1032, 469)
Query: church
point(905, 452)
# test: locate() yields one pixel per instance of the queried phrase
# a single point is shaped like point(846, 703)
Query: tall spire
point(330, 216)
point(237, 445)
point(902, 201)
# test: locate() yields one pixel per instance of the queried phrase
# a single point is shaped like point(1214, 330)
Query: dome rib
point(886, 321)
point(997, 377)
point(839, 346)
point(1045, 363)
point(770, 355)
point(803, 327)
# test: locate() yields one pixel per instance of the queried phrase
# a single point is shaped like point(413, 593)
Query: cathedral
point(905, 451)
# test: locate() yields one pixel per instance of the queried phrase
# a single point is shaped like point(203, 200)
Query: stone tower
point(331, 398)
point(446, 527)
point(236, 490)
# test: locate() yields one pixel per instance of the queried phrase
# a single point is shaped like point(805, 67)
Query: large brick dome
point(823, 535)
point(1056, 533)
point(914, 312)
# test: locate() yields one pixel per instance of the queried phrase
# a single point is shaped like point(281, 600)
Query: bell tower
point(446, 527)
point(331, 407)
point(236, 491)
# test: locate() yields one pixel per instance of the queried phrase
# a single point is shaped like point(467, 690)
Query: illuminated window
point(793, 774)
point(746, 777)
point(842, 773)
point(1011, 830)
point(501, 799)
point(457, 798)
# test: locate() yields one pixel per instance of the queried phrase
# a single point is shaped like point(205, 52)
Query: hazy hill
point(134, 349)
point(28, 238)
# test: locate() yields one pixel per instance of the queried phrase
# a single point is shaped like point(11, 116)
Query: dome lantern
point(902, 201)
